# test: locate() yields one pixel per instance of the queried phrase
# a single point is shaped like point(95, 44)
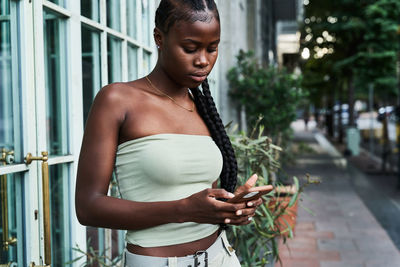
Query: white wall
point(233, 16)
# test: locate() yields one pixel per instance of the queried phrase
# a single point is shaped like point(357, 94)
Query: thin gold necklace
point(173, 100)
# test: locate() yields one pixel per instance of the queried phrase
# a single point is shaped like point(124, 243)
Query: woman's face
point(189, 50)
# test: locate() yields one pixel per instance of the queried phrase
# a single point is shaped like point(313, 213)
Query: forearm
point(115, 213)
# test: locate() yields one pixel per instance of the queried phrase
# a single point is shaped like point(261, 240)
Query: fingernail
point(227, 221)
point(239, 212)
point(231, 195)
point(250, 204)
point(250, 218)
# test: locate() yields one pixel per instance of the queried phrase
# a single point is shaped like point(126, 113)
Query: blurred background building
point(54, 57)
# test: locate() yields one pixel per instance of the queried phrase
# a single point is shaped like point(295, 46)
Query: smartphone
point(250, 194)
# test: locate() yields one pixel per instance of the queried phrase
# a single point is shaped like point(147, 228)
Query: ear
point(158, 37)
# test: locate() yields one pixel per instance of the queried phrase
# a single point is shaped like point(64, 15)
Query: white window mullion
point(75, 131)
point(153, 60)
point(56, 8)
point(104, 76)
point(27, 78)
point(124, 60)
point(103, 42)
point(124, 53)
point(123, 16)
point(40, 102)
point(140, 69)
point(92, 23)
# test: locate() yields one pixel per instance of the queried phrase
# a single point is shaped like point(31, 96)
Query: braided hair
point(168, 13)
point(207, 110)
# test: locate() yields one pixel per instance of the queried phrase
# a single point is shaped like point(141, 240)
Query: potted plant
point(256, 244)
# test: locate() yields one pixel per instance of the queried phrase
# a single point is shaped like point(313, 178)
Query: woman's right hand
point(204, 207)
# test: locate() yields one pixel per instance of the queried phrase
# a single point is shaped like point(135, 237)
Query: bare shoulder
point(121, 93)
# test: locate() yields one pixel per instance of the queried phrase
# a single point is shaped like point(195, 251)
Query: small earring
point(158, 47)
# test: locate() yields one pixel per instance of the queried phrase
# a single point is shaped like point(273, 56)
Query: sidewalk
point(342, 232)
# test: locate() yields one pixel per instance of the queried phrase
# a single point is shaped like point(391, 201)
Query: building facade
point(54, 57)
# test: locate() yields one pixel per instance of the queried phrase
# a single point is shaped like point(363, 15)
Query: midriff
point(178, 250)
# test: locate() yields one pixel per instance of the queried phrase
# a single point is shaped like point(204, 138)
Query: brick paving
point(341, 231)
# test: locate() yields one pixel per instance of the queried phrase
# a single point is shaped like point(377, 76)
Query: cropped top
point(167, 167)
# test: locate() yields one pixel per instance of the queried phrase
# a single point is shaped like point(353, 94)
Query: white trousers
point(219, 254)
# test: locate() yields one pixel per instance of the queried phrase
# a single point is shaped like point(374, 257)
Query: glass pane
point(12, 228)
point(58, 2)
point(56, 83)
point(114, 14)
point(131, 18)
point(91, 9)
point(146, 62)
point(114, 59)
point(59, 214)
point(117, 236)
point(146, 22)
point(9, 82)
point(95, 243)
point(132, 62)
point(11, 197)
point(91, 67)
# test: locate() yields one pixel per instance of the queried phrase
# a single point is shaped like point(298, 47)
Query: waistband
point(199, 259)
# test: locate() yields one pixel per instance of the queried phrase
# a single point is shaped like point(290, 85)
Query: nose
point(202, 60)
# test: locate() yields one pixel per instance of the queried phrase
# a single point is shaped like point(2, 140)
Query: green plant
point(256, 243)
point(267, 91)
point(94, 258)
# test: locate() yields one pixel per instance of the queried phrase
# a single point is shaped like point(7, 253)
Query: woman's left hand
point(250, 205)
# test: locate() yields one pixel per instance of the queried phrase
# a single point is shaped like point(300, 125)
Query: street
point(355, 216)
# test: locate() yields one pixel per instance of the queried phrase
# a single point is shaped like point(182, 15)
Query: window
point(131, 24)
point(114, 59)
point(114, 14)
point(91, 66)
point(56, 83)
point(116, 47)
point(132, 62)
point(91, 9)
point(146, 22)
point(58, 2)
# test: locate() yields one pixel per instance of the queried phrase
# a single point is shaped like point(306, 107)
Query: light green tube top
point(166, 167)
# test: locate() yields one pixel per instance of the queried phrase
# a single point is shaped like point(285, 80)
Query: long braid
point(208, 111)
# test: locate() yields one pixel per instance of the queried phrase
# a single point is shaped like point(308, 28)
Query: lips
point(198, 77)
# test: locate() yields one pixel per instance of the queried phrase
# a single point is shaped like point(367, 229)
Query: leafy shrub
point(256, 244)
point(267, 91)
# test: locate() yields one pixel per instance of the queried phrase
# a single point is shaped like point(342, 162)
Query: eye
point(212, 49)
point(189, 50)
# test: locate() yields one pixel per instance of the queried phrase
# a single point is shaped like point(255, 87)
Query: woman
point(168, 147)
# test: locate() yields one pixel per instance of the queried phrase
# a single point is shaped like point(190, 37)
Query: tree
point(355, 42)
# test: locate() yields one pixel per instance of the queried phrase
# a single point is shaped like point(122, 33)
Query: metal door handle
point(7, 157)
point(46, 203)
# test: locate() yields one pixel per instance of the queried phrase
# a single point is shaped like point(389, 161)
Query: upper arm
point(99, 144)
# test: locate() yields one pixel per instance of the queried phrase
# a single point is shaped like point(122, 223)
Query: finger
point(245, 212)
point(225, 210)
point(220, 193)
point(229, 207)
point(255, 202)
point(259, 202)
point(240, 221)
point(251, 181)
